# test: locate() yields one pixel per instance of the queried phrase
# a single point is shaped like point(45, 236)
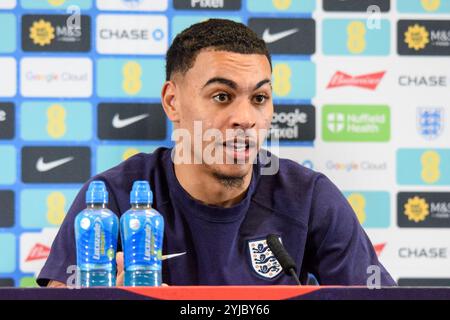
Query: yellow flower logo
point(417, 37)
point(416, 209)
point(42, 32)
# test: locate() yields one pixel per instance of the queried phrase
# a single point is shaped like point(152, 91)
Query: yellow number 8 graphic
point(281, 84)
point(431, 5)
point(132, 72)
point(129, 153)
point(56, 3)
point(56, 115)
point(282, 4)
point(358, 203)
point(430, 166)
point(55, 208)
point(356, 42)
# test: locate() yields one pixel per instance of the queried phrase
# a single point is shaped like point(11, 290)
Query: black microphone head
point(278, 250)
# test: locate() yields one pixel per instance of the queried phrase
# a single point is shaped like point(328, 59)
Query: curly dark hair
point(218, 34)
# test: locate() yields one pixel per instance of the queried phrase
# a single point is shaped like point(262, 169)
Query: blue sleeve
point(63, 250)
point(340, 251)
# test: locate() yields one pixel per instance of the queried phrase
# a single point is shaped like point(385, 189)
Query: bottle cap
point(141, 193)
point(97, 192)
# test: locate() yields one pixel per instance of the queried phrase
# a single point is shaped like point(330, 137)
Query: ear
point(169, 101)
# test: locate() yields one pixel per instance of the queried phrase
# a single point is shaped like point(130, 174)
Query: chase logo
point(55, 33)
point(356, 37)
point(423, 167)
point(286, 36)
point(355, 5)
point(132, 34)
point(281, 6)
point(56, 4)
point(424, 81)
point(423, 37)
point(131, 121)
point(356, 123)
point(56, 164)
point(207, 4)
point(8, 33)
point(56, 121)
point(7, 121)
point(423, 209)
point(293, 123)
point(44, 208)
point(423, 6)
point(7, 165)
point(130, 78)
point(371, 207)
point(110, 156)
point(293, 79)
point(7, 215)
point(430, 122)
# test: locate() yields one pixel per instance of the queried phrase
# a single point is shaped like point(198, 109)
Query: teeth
point(236, 145)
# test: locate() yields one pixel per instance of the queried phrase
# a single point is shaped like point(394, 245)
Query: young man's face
point(232, 93)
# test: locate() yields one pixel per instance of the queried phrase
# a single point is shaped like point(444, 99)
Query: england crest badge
point(263, 261)
point(430, 122)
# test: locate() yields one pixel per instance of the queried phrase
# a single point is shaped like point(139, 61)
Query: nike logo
point(122, 123)
point(174, 255)
point(270, 38)
point(42, 166)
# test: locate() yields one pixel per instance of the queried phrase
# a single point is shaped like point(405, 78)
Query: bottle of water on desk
point(96, 233)
point(142, 229)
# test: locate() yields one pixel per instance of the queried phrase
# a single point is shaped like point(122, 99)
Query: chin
point(232, 170)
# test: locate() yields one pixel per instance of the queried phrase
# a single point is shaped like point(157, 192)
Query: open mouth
point(240, 144)
point(239, 148)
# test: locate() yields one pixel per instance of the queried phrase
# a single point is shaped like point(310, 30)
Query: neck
point(205, 187)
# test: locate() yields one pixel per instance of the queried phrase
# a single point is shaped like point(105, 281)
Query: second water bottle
point(142, 229)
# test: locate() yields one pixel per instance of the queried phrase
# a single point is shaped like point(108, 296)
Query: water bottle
point(96, 233)
point(142, 229)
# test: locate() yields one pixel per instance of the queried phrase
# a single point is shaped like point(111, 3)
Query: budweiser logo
point(38, 252)
point(366, 81)
point(379, 248)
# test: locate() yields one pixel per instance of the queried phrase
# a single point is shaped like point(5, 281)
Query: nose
point(243, 116)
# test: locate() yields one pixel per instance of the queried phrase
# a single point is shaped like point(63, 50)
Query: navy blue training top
point(226, 246)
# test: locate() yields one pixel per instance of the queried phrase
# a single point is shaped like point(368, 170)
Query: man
point(219, 213)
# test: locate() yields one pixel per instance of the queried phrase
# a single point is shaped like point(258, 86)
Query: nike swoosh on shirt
point(270, 38)
point(174, 255)
point(122, 123)
point(42, 166)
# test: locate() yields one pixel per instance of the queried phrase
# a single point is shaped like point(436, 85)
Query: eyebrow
point(232, 84)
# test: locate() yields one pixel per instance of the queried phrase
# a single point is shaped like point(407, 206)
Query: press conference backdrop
point(360, 96)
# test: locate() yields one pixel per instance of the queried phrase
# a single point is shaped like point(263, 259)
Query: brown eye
point(222, 97)
point(260, 98)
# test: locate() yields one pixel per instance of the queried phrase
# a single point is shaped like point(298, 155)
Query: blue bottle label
point(142, 241)
point(96, 243)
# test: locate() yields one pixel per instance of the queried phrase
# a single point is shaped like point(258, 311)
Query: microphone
point(283, 257)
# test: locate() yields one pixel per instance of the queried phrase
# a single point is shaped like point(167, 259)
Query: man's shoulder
point(138, 165)
point(142, 166)
point(293, 189)
point(288, 172)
